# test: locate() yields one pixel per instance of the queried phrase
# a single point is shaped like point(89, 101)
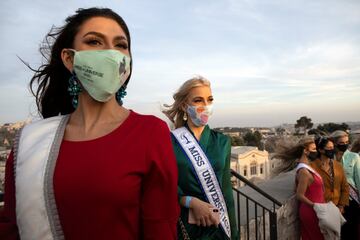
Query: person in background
point(90, 169)
point(309, 184)
point(203, 158)
point(355, 147)
point(351, 164)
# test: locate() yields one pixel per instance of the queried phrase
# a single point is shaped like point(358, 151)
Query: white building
point(251, 163)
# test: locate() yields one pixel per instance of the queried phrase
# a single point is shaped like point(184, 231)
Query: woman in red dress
point(309, 191)
point(309, 184)
point(90, 169)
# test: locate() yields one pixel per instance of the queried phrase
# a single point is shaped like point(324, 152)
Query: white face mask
point(101, 72)
point(199, 114)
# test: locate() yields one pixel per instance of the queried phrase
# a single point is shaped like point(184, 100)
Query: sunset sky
point(269, 62)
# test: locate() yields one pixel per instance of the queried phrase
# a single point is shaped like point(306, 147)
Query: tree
point(271, 143)
point(315, 131)
point(237, 141)
point(331, 127)
point(303, 123)
point(253, 139)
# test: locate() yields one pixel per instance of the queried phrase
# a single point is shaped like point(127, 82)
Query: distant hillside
point(288, 126)
point(8, 132)
point(354, 125)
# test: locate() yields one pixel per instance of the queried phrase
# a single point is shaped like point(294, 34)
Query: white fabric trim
point(35, 144)
point(205, 174)
point(303, 165)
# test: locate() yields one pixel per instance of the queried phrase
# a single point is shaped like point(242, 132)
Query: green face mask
point(101, 72)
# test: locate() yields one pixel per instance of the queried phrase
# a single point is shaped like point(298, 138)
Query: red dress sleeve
point(8, 227)
point(160, 209)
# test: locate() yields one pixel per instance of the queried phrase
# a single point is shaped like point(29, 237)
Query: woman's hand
point(203, 213)
point(341, 209)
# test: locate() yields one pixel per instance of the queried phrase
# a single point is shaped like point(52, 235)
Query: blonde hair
point(289, 152)
point(335, 136)
point(175, 111)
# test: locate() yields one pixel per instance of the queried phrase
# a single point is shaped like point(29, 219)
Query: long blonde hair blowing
point(175, 111)
point(290, 152)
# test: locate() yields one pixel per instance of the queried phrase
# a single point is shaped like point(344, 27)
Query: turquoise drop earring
point(120, 95)
point(74, 89)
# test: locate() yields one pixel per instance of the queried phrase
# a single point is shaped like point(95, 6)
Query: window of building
point(253, 169)
point(261, 168)
point(245, 171)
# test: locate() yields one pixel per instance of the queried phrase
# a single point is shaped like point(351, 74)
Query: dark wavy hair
point(321, 142)
point(51, 79)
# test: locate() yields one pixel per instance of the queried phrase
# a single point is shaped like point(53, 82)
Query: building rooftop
point(242, 149)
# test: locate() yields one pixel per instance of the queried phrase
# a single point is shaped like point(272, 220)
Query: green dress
point(217, 148)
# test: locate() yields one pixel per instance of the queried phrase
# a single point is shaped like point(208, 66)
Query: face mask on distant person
point(342, 147)
point(312, 155)
point(329, 153)
point(101, 72)
point(199, 114)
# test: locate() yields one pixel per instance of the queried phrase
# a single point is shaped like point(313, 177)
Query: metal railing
point(262, 222)
point(263, 219)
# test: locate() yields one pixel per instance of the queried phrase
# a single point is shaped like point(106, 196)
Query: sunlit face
point(200, 96)
point(97, 33)
point(100, 33)
point(328, 146)
point(342, 140)
point(311, 147)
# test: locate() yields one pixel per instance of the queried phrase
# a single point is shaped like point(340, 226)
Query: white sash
point(205, 174)
point(35, 156)
point(303, 165)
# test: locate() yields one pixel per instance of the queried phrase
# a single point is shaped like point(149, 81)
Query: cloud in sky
point(269, 62)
